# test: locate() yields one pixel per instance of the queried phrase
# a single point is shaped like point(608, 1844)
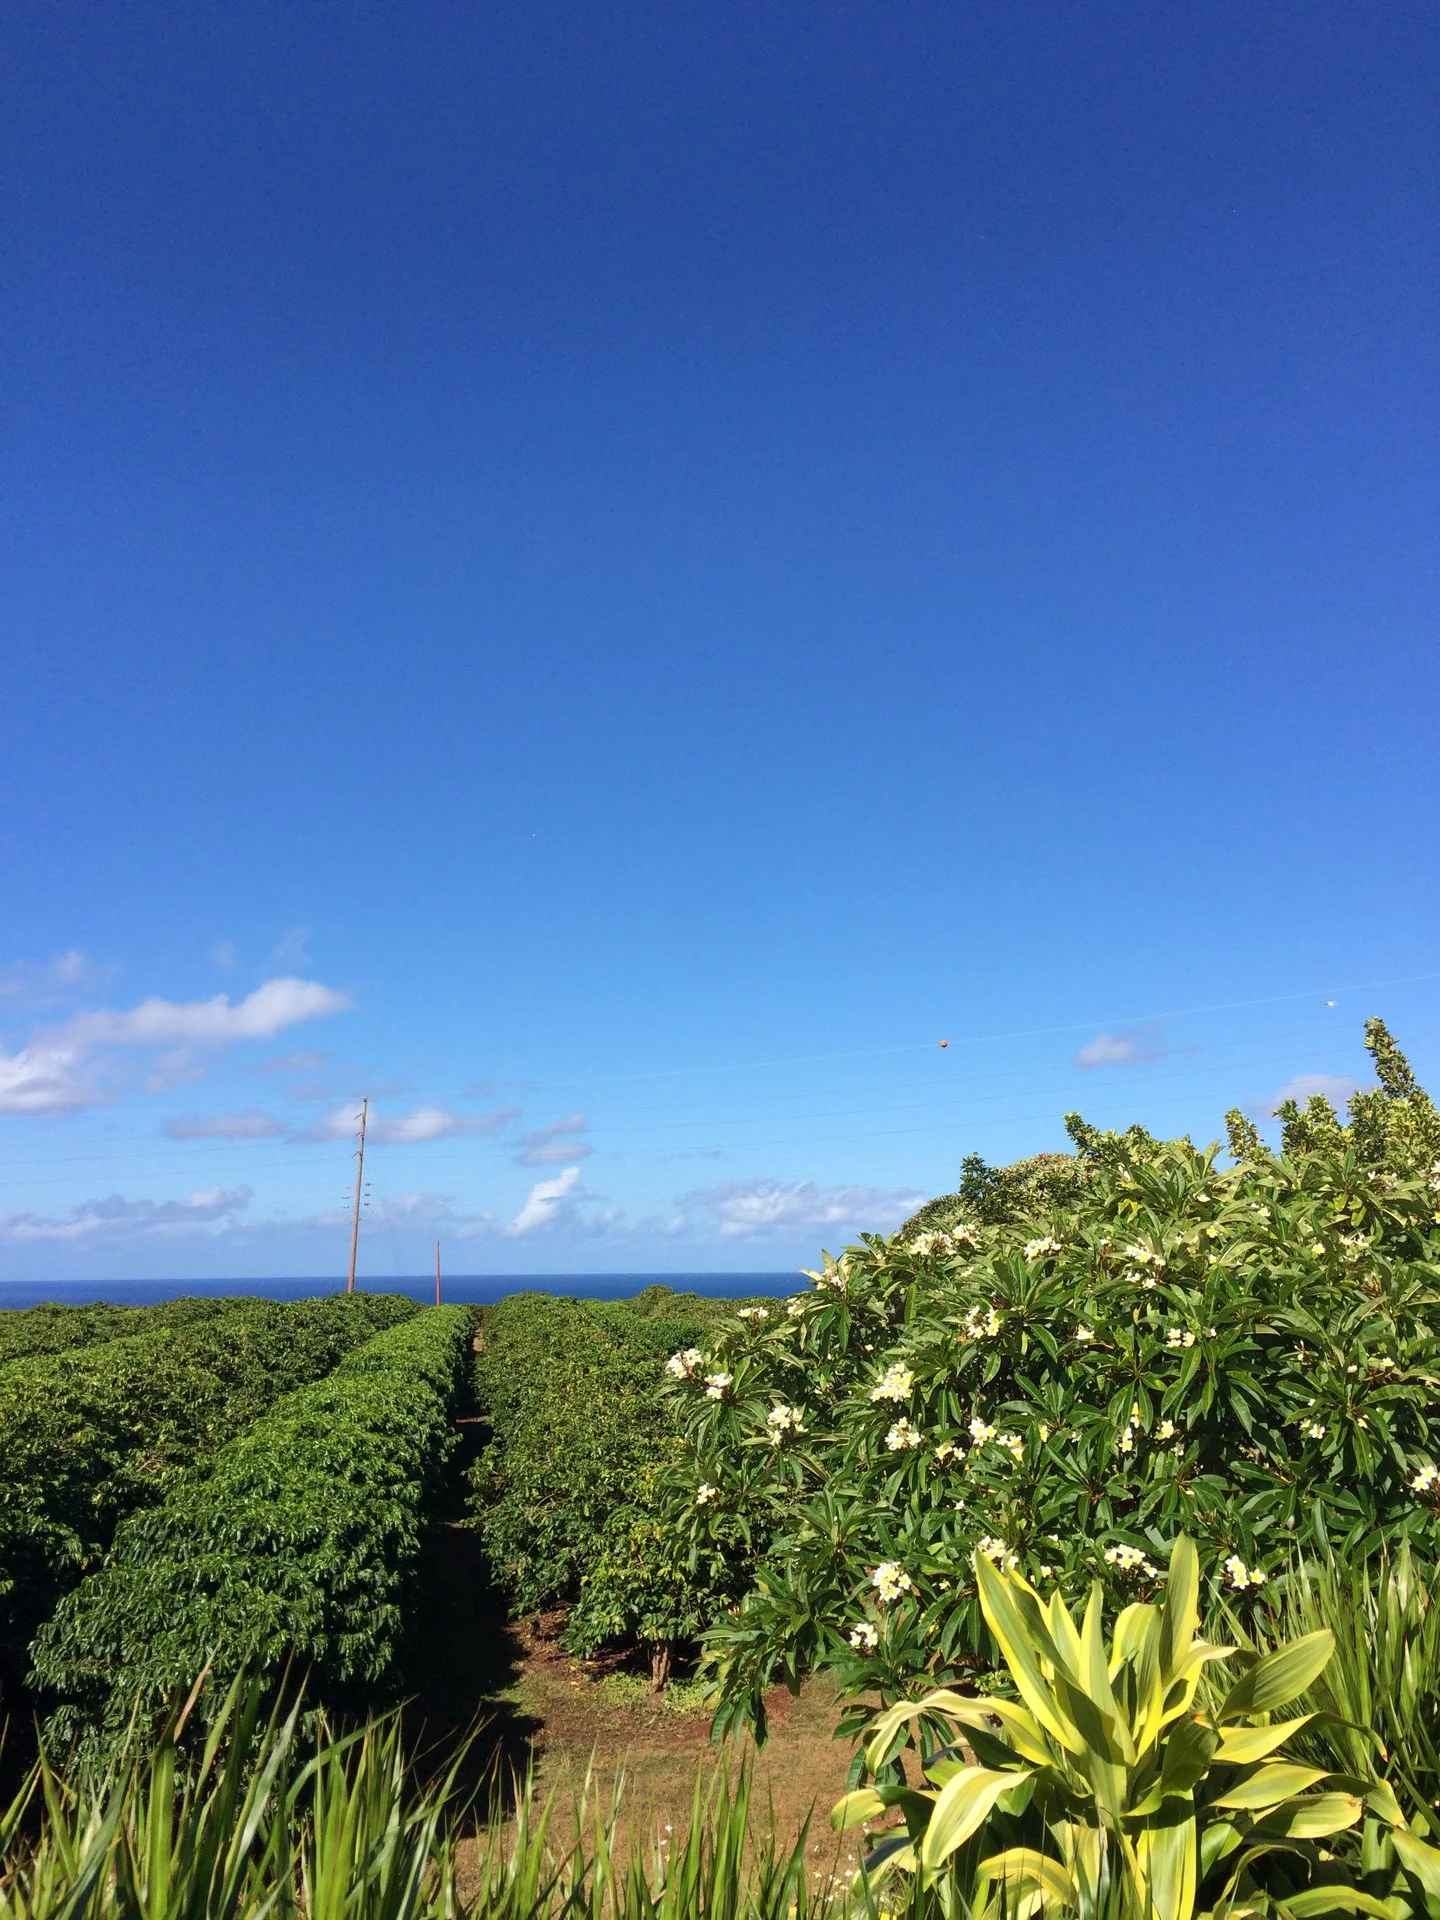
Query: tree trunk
point(660, 1665)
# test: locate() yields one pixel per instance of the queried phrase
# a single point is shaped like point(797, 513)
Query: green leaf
point(1019, 1867)
point(1166, 1855)
point(1315, 1817)
point(961, 1809)
point(1022, 1656)
point(1180, 1616)
point(1187, 1756)
point(853, 1808)
point(1315, 1901)
point(1240, 1746)
point(1275, 1679)
point(1421, 1859)
point(1271, 1783)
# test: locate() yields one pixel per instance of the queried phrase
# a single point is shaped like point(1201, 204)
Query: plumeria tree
point(1154, 1343)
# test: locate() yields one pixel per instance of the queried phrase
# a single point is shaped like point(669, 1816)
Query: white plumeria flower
point(1012, 1443)
point(705, 1493)
point(1179, 1337)
point(1312, 1429)
point(680, 1366)
point(1084, 1333)
point(752, 1313)
point(716, 1383)
point(894, 1384)
point(1425, 1479)
point(1126, 1442)
point(946, 1450)
point(997, 1552)
point(1240, 1576)
point(864, 1638)
point(782, 1420)
point(981, 1323)
point(1042, 1248)
point(890, 1580)
point(903, 1436)
point(795, 1306)
point(981, 1431)
point(1126, 1558)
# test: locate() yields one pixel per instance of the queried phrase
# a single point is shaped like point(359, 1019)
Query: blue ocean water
point(478, 1289)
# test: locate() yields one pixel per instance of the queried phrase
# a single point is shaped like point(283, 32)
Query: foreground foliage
point(296, 1547)
point(1102, 1788)
point(338, 1827)
point(1376, 1704)
point(91, 1433)
point(1243, 1354)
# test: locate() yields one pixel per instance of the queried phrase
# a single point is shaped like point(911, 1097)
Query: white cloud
point(550, 1146)
point(548, 1203)
point(115, 1217)
point(216, 1022)
point(409, 1129)
point(434, 1123)
point(292, 949)
point(1122, 1049)
point(49, 1075)
point(753, 1207)
point(179, 1067)
point(44, 1080)
point(51, 980)
point(1336, 1087)
point(224, 1126)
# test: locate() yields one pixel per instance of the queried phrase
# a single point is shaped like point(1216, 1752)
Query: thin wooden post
point(359, 1190)
point(437, 1273)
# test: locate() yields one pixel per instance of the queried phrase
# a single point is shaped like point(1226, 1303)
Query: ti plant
point(1104, 1790)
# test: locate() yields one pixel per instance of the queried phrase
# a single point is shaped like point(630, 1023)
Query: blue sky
point(607, 576)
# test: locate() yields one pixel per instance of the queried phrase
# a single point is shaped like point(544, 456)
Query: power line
point(960, 1102)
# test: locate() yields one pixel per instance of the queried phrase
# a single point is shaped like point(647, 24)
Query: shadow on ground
point(462, 1658)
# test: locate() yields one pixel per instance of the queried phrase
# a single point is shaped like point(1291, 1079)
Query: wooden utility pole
point(359, 1190)
point(437, 1273)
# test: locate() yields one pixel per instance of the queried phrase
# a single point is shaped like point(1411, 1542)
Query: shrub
point(1102, 1787)
point(295, 1546)
point(89, 1435)
point(567, 1494)
point(28, 1332)
point(1243, 1354)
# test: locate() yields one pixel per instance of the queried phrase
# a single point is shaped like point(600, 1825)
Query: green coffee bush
point(294, 1548)
point(91, 1434)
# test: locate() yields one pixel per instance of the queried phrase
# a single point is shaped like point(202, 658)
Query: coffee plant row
point(91, 1434)
point(27, 1332)
point(567, 1494)
point(293, 1550)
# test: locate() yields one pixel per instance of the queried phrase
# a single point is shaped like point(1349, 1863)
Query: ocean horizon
point(462, 1289)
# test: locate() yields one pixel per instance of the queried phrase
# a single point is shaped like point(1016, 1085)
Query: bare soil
point(526, 1705)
